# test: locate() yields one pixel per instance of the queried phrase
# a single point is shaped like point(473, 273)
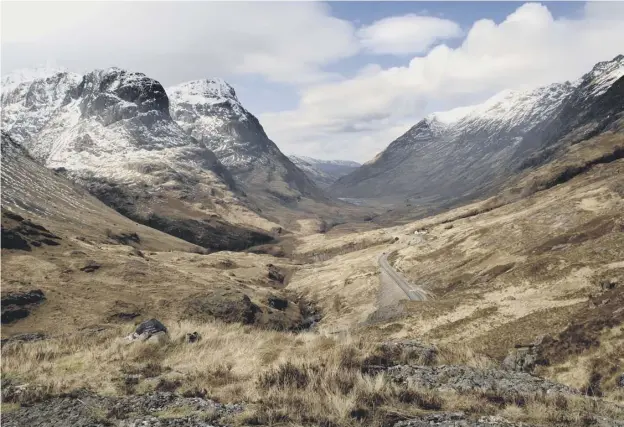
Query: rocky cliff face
point(466, 153)
point(111, 131)
point(210, 111)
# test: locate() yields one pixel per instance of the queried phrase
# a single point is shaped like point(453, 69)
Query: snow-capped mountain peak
point(27, 75)
point(209, 111)
point(603, 75)
point(200, 91)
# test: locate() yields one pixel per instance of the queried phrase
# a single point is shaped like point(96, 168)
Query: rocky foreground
point(398, 384)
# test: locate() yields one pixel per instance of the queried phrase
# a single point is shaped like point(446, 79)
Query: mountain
point(46, 198)
point(324, 172)
point(210, 111)
point(468, 152)
point(111, 131)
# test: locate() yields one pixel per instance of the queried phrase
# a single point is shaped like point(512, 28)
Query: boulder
point(12, 240)
point(457, 419)
point(152, 330)
point(393, 353)
point(523, 357)
point(277, 302)
point(275, 273)
point(28, 337)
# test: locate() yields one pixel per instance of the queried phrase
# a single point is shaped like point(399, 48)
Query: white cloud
point(406, 34)
point(295, 42)
point(350, 118)
point(176, 41)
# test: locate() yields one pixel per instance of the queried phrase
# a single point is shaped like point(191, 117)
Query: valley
point(470, 275)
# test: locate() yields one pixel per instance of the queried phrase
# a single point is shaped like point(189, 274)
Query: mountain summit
point(209, 111)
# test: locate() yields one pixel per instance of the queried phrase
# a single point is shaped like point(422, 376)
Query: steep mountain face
point(209, 111)
point(465, 153)
point(111, 131)
point(31, 191)
point(324, 172)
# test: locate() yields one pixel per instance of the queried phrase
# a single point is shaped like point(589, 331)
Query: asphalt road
point(413, 293)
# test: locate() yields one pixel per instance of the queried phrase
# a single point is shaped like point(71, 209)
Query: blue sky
point(328, 80)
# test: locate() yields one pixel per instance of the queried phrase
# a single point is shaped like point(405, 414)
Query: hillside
point(32, 191)
point(522, 322)
point(464, 154)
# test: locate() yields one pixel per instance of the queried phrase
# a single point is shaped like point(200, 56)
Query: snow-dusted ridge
point(467, 152)
point(112, 131)
point(210, 111)
point(101, 124)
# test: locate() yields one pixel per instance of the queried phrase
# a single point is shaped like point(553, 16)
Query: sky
point(338, 80)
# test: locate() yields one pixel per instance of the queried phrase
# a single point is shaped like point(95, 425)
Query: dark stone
point(38, 227)
point(275, 274)
point(20, 234)
point(278, 303)
point(12, 240)
point(150, 327)
point(90, 267)
point(620, 381)
point(50, 242)
point(124, 317)
point(192, 337)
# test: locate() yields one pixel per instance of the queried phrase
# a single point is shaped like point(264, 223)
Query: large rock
point(150, 330)
point(523, 358)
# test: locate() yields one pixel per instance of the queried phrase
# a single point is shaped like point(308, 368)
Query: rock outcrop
point(467, 379)
point(18, 305)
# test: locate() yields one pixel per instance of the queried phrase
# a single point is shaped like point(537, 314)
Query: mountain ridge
point(111, 131)
point(459, 155)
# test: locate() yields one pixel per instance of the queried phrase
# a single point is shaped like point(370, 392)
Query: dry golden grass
point(301, 379)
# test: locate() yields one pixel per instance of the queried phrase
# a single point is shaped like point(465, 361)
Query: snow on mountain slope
point(461, 154)
point(31, 190)
point(324, 172)
point(111, 130)
point(209, 111)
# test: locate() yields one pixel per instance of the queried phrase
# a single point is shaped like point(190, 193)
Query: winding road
point(394, 277)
